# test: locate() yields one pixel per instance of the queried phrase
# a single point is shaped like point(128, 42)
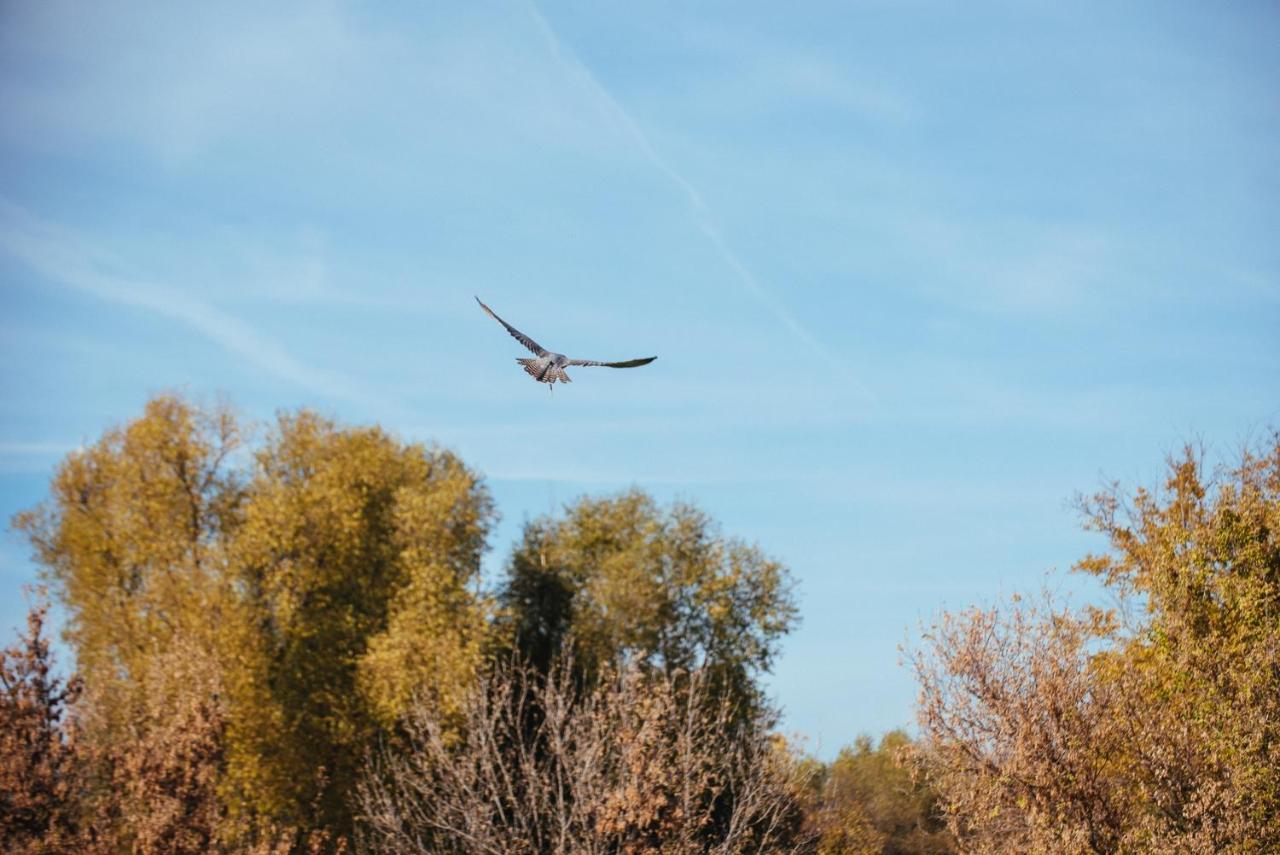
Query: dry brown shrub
point(157, 776)
point(160, 780)
point(1017, 732)
point(38, 778)
point(643, 763)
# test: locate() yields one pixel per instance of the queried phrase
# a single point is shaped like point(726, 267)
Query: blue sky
point(916, 272)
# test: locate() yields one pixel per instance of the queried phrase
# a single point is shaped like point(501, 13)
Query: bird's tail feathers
point(543, 373)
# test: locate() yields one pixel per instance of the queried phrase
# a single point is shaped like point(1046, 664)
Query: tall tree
point(622, 577)
point(134, 540)
point(356, 560)
point(325, 581)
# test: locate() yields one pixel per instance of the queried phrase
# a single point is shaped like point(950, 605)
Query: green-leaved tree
point(624, 578)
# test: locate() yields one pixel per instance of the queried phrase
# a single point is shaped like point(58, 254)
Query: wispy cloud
point(29, 457)
point(175, 81)
point(35, 449)
point(71, 259)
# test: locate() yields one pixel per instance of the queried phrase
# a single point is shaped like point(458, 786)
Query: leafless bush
point(643, 763)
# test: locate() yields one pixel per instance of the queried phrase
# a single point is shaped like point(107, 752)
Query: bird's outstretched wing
point(536, 348)
point(630, 363)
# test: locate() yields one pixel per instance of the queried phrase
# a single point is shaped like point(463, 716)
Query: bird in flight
point(549, 367)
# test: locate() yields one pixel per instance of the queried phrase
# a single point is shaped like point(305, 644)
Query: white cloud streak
point(35, 449)
point(702, 214)
point(65, 257)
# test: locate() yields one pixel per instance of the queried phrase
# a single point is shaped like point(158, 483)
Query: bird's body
point(548, 366)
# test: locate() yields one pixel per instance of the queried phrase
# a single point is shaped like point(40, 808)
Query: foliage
point(1154, 726)
point(37, 760)
point(134, 540)
point(641, 763)
point(354, 559)
point(868, 801)
point(252, 623)
point(1016, 729)
point(322, 582)
point(1203, 557)
point(151, 784)
point(622, 578)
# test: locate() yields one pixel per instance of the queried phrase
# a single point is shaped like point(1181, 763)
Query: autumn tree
point(1150, 726)
point(134, 537)
point(869, 801)
point(623, 578)
point(621, 712)
point(323, 581)
point(1200, 559)
point(356, 560)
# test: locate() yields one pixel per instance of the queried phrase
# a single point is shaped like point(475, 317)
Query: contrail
point(701, 212)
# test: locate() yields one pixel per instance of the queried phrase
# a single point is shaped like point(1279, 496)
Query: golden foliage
point(320, 581)
point(133, 538)
point(355, 556)
point(1152, 727)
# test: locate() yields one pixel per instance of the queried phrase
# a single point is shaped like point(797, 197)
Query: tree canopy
point(621, 576)
point(276, 628)
point(330, 575)
point(276, 606)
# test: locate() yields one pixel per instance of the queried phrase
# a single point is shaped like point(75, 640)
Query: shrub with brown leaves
point(642, 763)
point(37, 761)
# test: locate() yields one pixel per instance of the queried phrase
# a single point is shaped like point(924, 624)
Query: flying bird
point(549, 367)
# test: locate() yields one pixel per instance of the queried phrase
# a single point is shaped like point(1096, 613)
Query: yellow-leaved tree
point(355, 562)
point(327, 578)
point(135, 539)
point(1153, 726)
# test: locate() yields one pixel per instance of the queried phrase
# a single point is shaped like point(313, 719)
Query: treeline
point(283, 645)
